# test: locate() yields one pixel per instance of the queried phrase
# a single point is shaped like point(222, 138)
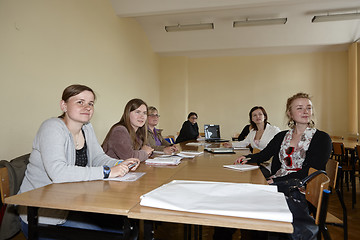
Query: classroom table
point(123, 198)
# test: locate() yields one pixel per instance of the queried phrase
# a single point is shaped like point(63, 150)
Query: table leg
point(33, 220)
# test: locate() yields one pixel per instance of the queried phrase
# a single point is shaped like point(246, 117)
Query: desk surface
point(122, 198)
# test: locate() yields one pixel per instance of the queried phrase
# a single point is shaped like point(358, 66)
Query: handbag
point(303, 224)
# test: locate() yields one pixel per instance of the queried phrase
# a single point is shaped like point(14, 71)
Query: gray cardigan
point(52, 159)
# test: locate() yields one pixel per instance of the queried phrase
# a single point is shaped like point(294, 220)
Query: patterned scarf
point(292, 161)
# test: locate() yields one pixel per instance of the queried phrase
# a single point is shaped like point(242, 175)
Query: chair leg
point(342, 203)
point(322, 218)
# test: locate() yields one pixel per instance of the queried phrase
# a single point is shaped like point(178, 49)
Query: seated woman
point(154, 137)
point(128, 137)
point(66, 149)
point(259, 136)
point(296, 150)
point(189, 129)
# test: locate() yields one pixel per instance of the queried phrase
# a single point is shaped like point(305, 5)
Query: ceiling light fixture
point(336, 17)
point(190, 27)
point(259, 22)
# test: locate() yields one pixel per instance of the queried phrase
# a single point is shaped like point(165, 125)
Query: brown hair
point(288, 107)
point(74, 90)
point(141, 133)
point(252, 124)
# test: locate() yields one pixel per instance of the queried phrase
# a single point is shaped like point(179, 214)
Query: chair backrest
point(256, 150)
point(332, 167)
point(338, 148)
point(357, 151)
point(4, 184)
point(170, 139)
point(314, 191)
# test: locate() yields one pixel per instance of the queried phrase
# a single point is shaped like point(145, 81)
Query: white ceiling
point(298, 35)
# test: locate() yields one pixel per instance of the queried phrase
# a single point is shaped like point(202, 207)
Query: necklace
point(77, 141)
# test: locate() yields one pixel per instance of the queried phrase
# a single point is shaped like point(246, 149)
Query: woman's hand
point(123, 168)
point(170, 150)
point(147, 149)
point(270, 181)
point(241, 160)
point(227, 144)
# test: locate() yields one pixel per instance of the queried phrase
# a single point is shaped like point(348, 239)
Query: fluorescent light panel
point(190, 27)
point(259, 22)
point(336, 17)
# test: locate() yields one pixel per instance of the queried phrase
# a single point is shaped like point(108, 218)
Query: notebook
point(212, 133)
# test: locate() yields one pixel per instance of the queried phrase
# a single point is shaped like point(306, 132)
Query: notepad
point(172, 160)
point(242, 167)
point(129, 177)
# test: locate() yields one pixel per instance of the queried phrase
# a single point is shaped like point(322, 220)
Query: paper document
point(195, 153)
point(241, 148)
point(242, 167)
point(194, 144)
point(171, 160)
point(129, 177)
point(237, 199)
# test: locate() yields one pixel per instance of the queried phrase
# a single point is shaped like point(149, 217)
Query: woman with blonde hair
point(155, 139)
point(296, 150)
point(128, 137)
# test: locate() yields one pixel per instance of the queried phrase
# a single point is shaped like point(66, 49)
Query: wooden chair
point(170, 139)
point(339, 154)
point(5, 190)
point(332, 167)
point(4, 184)
point(317, 195)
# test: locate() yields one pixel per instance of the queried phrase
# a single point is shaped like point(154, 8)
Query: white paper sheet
point(237, 199)
point(242, 167)
point(129, 177)
point(164, 160)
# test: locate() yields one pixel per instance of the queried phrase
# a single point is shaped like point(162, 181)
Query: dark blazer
point(188, 132)
point(316, 156)
point(244, 132)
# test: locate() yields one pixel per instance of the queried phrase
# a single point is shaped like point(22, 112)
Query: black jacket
point(188, 132)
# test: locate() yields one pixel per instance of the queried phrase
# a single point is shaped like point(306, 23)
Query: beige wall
point(222, 90)
point(48, 45)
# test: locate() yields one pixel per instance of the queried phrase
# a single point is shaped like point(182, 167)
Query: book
point(171, 160)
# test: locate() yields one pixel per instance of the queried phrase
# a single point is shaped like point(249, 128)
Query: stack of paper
point(173, 160)
point(188, 154)
point(242, 167)
point(229, 199)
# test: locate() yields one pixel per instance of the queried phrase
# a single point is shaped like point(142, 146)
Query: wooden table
point(122, 198)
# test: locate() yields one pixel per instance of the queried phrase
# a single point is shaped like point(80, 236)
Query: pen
point(132, 165)
point(245, 159)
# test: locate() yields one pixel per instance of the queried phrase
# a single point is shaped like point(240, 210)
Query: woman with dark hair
point(128, 137)
point(189, 129)
point(296, 150)
point(261, 131)
point(66, 149)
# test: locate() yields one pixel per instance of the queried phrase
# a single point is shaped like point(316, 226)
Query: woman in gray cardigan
point(66, 149)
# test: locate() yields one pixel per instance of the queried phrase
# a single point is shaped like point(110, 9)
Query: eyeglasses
point(154, 115)
point(193, 118)
point(288, 159)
